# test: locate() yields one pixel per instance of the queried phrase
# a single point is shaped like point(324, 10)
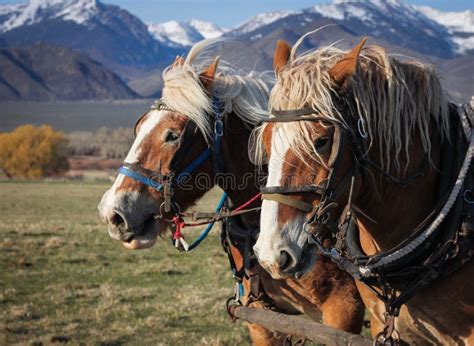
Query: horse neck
point(396, 210)
point(238, 165)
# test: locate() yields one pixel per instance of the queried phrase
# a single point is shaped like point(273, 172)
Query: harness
point(439, 245)
point(235, 233)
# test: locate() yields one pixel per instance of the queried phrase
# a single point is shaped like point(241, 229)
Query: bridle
point(380, 270)
point(330, 190)
point(165, 182)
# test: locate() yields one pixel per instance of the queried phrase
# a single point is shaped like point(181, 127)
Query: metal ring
point(177, 209)
point(468, 197)
point(360, 126)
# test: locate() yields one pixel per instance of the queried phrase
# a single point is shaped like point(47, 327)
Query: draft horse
point(370, 165)
point(200, 129)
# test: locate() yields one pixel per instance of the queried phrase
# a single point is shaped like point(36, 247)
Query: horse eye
point(321, 142)
point(172, 137)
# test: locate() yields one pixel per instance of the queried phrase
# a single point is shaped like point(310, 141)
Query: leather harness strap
point(289, 201)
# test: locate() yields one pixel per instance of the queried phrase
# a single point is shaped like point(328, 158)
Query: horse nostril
point(285, 261)
point(116, 220)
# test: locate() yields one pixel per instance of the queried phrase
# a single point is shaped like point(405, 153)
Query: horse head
point(159, 156)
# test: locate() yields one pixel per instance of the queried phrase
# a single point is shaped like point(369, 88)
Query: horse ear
point(179, 61)
point(346, 67)
point(207, 76)
point(281, 56)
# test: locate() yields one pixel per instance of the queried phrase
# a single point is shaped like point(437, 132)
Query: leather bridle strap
point(317, 189)
point(298, 117)
point(289, 201)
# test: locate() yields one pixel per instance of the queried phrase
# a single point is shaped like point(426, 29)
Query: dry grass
point(63, 279)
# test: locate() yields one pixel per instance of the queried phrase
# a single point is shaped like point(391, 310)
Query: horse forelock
point(393, 98)
point(246, 95)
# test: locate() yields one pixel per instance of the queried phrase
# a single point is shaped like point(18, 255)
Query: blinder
point(338, 141)
point(327, 188)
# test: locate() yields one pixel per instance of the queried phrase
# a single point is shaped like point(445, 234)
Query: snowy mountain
point(137, 51)
point(459, 24)
point(174, 33)
point(206, 29)
point(105, 32)
point(259, 21)
point(388, 21)
point(36, 11)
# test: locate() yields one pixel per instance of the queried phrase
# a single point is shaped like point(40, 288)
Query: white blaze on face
point(269, 241)
point(274, 237)
point(111, 197)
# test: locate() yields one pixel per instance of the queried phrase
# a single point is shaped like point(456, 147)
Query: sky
point(229, 13)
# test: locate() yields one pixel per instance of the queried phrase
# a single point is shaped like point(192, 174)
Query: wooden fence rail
point(299, 327)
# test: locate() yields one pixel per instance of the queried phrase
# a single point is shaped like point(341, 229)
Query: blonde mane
point(392, 98)
point(245, 95)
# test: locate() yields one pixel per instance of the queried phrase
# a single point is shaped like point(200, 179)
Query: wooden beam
point(299, 327)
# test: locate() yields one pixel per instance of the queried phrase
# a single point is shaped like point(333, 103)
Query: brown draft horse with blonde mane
point(173, 134)
point(363, 136)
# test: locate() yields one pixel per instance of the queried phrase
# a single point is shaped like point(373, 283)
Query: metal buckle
point(218, 128)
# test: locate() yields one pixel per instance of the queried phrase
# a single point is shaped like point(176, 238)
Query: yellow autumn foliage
point(33, 152)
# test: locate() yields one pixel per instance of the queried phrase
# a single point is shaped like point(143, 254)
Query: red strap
point(251, 200)
point(180, 223)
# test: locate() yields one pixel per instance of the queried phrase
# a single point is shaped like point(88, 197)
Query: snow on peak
point(363, 9)
point(175, 33)
point(459, 24)
point(456, 21)
point(262, 19)
point(187, 33)
point(35, 11)
point(206, 29)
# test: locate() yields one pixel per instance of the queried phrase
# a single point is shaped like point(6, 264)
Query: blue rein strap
point(209, 227)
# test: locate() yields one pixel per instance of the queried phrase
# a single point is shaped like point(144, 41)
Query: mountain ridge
point(138, 52)
point(46, 73)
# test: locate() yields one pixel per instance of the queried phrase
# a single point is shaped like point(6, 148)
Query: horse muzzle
point(133, 235)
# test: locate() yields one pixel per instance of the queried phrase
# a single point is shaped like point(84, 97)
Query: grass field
point(63, 279)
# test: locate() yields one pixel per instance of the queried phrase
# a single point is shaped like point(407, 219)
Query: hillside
point(45, 73)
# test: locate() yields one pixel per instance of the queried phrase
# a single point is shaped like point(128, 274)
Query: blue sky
point(229, 13)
